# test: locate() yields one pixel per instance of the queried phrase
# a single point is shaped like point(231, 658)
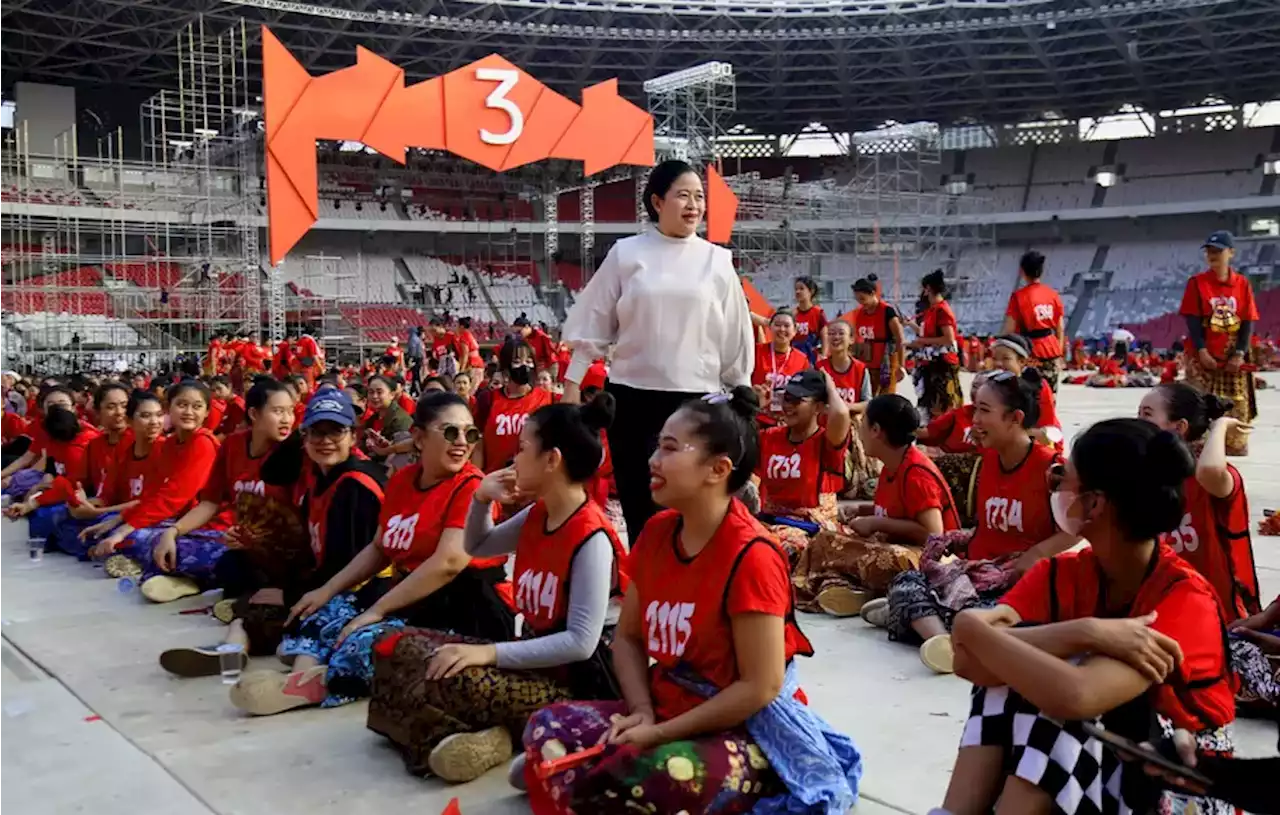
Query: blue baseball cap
point(330, 405)
point(1222, 239)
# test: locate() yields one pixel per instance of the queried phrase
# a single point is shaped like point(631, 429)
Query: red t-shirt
point(233, 416)
point(468, 349)
point(414, 519)
point(131, 475)
point(1221, 306)
point(1035, 309)
point(1066, 587)
point(871, 328)
point(544, 348)
point(1013, 507)
point(442, 345)
point(916, 486)
point(794, 475)
point(937, 317)
point(182, 469)
point(255, 356)
point(774, 368)
point(217, 409)
point(68, 458)
point(235, 471)
point(504, 422)
point(952, 432)
point(687, 602)
point(12, 426)
point(407, 404)
point(1213, 536)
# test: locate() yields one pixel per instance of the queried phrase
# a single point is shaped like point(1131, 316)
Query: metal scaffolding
point(118, 258)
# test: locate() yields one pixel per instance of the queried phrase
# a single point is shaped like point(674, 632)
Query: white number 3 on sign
point(506, 79)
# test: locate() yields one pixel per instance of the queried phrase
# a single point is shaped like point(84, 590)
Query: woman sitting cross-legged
point(1015, 527)
point(839, 573)
point(801, 462)
point(336, 517)
point(717, 724)
point(185, 461)
point(436, 583)
point(1125, 632)
point(128, 474)
point(453, 706)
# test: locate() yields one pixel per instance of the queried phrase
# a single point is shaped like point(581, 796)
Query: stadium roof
point(850, 64)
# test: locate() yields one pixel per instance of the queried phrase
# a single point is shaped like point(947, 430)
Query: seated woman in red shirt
point(1014, 530)
point(469, 699)
point(838, 574)
point(186, 459)
point(129, 472)
point(1123, 632)
point(1011, 353)
point(710, 604)
point(58, 445)
point(436, 582)
point(801, 465)
point(776, 361)
point(952, 431)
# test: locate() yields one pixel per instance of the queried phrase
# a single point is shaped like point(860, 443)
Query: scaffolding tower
point(127, 254)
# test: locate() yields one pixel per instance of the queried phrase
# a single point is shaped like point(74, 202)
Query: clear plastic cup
point(230, 662)
point(35, 546)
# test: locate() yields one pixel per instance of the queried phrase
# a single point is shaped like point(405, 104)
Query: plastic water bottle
point(126, 585)
point(230, 662)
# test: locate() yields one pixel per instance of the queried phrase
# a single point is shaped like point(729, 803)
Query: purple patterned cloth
point(22, 481)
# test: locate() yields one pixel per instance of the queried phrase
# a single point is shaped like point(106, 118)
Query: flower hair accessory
point(718, 398)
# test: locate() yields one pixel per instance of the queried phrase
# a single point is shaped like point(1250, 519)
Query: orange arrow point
point(604, 130)
point(722, 207)
point(410, 117)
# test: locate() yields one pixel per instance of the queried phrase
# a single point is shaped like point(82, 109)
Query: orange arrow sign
point(489, 112)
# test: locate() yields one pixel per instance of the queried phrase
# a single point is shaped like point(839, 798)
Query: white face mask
point(1061, 502)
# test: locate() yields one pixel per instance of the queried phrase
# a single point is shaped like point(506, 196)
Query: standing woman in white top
point(671, 305)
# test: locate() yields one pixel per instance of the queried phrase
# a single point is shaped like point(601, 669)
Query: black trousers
point(632, 440)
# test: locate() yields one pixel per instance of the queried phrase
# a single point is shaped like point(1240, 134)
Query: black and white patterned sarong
point(1076, 770)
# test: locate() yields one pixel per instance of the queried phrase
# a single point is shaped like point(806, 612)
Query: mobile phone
point(1124, 747)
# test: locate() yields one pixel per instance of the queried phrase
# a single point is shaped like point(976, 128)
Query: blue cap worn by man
point(1222, 239)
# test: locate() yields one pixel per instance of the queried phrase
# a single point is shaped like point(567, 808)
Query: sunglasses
point(452, 433)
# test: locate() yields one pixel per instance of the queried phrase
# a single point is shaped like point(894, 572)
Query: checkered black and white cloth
point(1076, 770)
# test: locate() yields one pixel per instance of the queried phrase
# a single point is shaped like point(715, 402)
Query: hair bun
point(1169, 460)
point(744, 402)
point(1032, 375)
point(1215, 407)
point(597, 412)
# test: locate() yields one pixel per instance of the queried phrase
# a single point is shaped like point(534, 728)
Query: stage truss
point(123, 254)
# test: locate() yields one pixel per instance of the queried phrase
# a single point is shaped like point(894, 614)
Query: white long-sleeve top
point(675, 311)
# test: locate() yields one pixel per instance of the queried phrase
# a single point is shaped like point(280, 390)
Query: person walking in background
point(672, 305)
point(1035, 311)
point(1220, 312)
point(878, 336)
point(413, 354)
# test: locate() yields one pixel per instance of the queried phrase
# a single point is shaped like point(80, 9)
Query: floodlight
point(1105, 178)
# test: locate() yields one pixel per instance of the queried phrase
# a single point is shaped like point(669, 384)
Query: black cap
point(808, 384)
point(1222, 239)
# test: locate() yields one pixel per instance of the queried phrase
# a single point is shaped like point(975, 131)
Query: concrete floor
point(93, 724)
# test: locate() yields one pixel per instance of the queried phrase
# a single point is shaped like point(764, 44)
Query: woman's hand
point(1231, 423)
point(267, 597)
point(498, 486)
point(865, 525)
point(81, 497)
point(309, 604)
point(100, 528)
point(165, 553)
point(367, 618)
point(1235, 361)
point(21, 509)
point(452, 659)
point(1135, 642)
point(621, 725)
point(1207, 361)
point(1185, 744)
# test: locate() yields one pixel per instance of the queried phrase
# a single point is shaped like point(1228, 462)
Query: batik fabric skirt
point(197, 555)
point(938, 386)
point(842, 558)
point(721, 774)
point(1238, 387)
point(469, 605)
point(417, 713)
point(1050, 369)
point(1259, 674)
point(1075, 769)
